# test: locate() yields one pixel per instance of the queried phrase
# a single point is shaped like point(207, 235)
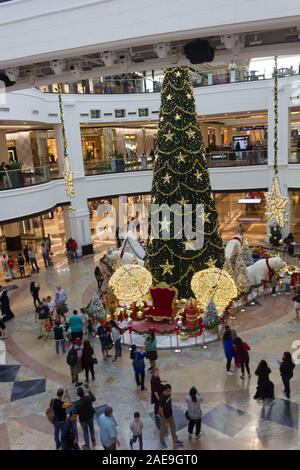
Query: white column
point(284, 131)
point(77, 225)
point(218, 134)
point(4, 156)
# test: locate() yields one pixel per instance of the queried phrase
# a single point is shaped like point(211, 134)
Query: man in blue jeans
point(85, 411)
point(59, 406)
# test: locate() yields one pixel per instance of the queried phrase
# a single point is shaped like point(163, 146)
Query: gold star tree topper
point(276, 204)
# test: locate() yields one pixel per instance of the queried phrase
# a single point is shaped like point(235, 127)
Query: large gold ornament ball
point(140, 315)
point(130, 282)
point(214, 283)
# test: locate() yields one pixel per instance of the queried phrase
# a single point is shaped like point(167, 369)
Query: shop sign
point(252, 128)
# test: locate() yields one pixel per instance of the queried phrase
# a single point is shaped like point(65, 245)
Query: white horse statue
point(237, 240)
point(264, 269)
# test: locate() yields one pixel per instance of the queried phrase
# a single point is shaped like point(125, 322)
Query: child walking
point(137, 430)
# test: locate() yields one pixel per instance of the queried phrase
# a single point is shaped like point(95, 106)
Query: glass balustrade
point(214, 159)
point(20, 178)
point(146, 85)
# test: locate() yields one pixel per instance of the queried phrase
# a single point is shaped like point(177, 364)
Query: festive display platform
point(169, 341)
point(145, 326)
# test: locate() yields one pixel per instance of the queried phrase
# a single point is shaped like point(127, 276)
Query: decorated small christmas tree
point(246, 254)
point(180, 176)
point(95, 308)
point(240, 275)
point(275, 235)
point(211, 318)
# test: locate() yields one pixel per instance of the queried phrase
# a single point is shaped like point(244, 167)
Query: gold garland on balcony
point(68, 174)
point(275, 201)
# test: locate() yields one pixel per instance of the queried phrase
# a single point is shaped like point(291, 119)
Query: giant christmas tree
point(180, 176)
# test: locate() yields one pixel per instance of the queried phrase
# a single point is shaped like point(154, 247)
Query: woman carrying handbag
point(194, 413)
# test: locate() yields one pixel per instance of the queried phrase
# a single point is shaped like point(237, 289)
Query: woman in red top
point(242, 356)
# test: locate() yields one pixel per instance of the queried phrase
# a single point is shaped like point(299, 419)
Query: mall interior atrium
point(149, 225)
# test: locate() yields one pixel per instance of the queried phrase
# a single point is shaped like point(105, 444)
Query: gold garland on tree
point(68, 174)
point(275, 201)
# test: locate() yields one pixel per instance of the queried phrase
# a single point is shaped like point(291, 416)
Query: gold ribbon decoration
point(68, 174)
point(275, 201)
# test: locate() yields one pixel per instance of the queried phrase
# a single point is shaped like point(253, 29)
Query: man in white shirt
point(51, 304)
point(61, 294)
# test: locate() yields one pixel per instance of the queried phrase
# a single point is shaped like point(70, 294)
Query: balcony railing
point(146, 85)
point(11, 179)
point(294, 156)
point(214, 159)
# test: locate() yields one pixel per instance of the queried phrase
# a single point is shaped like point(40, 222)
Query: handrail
point(214, 159)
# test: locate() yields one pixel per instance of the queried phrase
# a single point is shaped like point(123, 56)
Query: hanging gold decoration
point(214, 283)
point(276, 204)
point(275, 201)
point(130, 283)
point(68, 174)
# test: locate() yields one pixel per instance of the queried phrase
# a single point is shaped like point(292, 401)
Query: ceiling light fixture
point(12, 73)
point(108, 57)
point(57, 66)
point(75, 69)
point(162, 49)
point(124, 62)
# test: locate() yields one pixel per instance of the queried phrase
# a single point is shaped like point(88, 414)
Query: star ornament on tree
point(190, 245)
point(165, 224)
point(180, 158)
point(167, 178)
point(167, 268)
point(191, 133)
point(198, 175)
point(276, 204)
point(169, 136)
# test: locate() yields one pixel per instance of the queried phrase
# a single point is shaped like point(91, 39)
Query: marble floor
point(31, 373)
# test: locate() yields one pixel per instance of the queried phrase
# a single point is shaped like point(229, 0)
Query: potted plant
point(15, 173)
